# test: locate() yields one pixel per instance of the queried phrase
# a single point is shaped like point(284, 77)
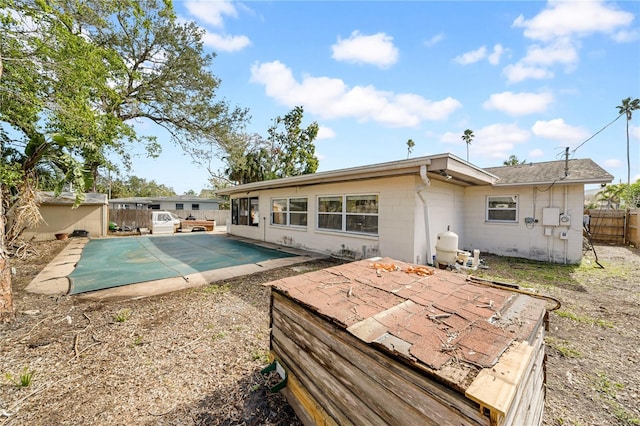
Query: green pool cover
point(112, 262)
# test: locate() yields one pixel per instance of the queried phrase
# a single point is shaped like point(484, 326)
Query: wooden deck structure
point(393, 343)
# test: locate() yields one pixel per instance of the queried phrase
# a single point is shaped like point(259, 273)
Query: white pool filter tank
point(446, 248)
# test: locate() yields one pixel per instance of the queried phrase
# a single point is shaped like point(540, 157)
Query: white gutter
point(427, 228)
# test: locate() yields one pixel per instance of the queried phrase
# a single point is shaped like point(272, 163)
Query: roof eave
point(557, 182)
point(464, 173)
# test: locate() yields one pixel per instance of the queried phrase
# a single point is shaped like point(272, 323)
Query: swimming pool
point(113, 262)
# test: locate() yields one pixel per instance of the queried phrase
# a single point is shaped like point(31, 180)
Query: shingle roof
point(178, 198)
point(69, 198)
point(578, 171)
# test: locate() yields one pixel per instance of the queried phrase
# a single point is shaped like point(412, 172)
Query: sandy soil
point(194, 357)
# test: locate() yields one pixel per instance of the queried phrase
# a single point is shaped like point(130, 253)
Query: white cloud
point(325, 132)
point(434, 40)
point(211, 12)
point(612, 163)
point(559, 51)
point(625, 36)
point(496, 141)
point(376, 49)
point(472, 56)
point(573, 18)
point(331, 98)
point(225, 42)
point(558, 130)
point(519, 72)
point(519, 103)
point(536, 153)
point(559, 27)
point(494, 57)
point(540, 58)
point(634, 132)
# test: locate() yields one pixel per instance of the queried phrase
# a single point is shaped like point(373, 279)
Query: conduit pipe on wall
point(425, 204)
point(550, 238)
point(566, 211)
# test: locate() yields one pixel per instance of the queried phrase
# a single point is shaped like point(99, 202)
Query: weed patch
point(584, 319)
point(23, 380)
point(122, 315)
point(563, 347)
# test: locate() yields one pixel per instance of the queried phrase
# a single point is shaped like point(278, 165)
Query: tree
point(134, 186)
point(467, 137)
point(292, 147)
point(631, 195)
point(410, 145)
point(6, 294)
point(612, 194)
point(627, 107)
point(513, 161)
point(77, 75)
point(288, 151)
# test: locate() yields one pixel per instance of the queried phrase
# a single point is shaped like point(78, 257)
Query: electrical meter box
point(551, 216)
point(565, 219)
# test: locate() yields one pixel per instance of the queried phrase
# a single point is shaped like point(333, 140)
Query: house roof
point(178, 198)
point(440, 167)
point(441, 320)
point(69, 198)
point(583, 171)
point(450, 168)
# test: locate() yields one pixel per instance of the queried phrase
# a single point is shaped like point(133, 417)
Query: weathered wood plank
point(349, 377)
point(530, 402)
point(530, 384)
point(307, 408)
point(442, 404)
point(309, 385)
point(350, 405)
point(495, 388)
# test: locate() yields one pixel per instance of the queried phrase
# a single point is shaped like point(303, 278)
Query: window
point(195, 206)
point(254, 212)
point(289, 211)
point(349, 213)
point(362, 213)
point(244, 211)
point(154, 206)
point(502, 209)
point(179, 206)
point(330, 213)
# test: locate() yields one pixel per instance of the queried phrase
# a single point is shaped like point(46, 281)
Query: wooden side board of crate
point(338, 375)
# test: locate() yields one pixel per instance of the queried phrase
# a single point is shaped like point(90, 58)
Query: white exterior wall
point(522, 240)
point(441, 206)
point(401, 218)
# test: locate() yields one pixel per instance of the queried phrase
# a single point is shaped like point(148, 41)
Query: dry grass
point(193, 357)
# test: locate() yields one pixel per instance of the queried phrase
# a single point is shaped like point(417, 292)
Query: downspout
point(566, 211)
point(550, 238)
point(427, 229)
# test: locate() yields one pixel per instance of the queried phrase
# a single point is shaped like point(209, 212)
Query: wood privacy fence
point(133, 219)
point(619, 227)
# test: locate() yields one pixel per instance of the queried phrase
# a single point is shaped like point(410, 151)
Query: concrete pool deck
point(53, 278)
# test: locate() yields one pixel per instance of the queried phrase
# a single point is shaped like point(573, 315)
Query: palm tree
point(410, 145)
point(612, 195)
point(627, 107)
point(468, 137)
point(513, 161)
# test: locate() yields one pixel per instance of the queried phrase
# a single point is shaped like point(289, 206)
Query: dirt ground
point(194, 357)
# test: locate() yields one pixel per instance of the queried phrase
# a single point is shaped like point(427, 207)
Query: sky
point(529, 78)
